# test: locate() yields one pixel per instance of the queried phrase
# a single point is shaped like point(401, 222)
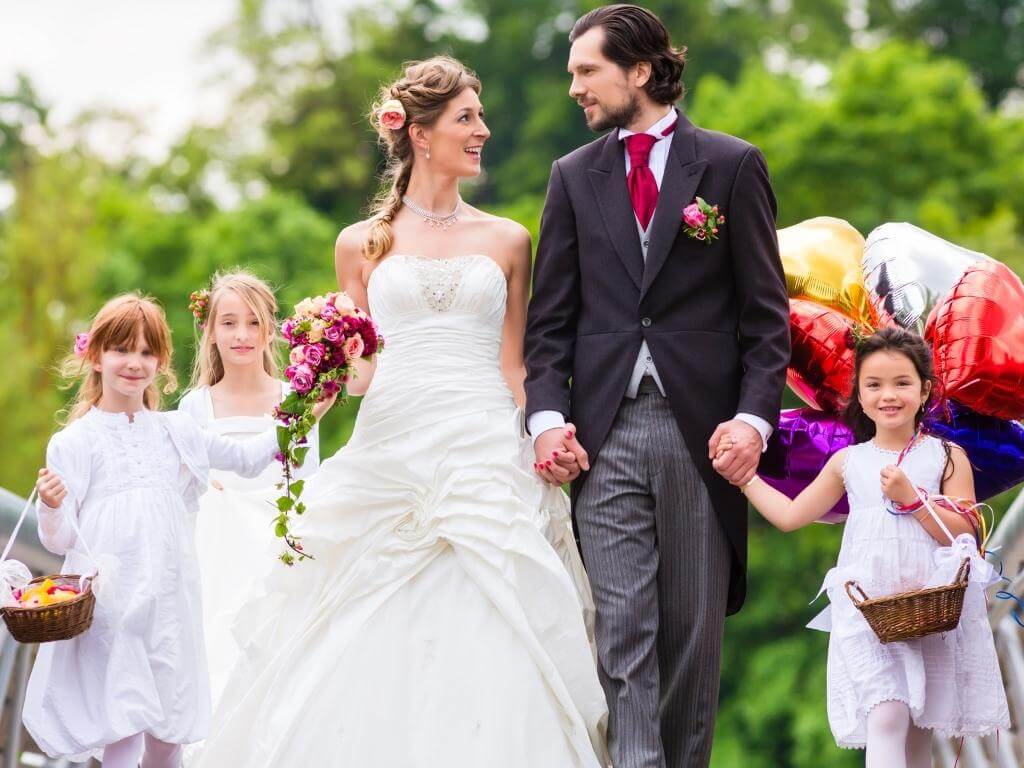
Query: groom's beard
point(616, 118)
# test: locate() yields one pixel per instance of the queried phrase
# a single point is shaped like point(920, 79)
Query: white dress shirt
point(541, 421)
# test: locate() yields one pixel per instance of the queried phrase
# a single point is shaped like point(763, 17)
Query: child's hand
point(896, 485)
point(323, 406)
point(51, 488)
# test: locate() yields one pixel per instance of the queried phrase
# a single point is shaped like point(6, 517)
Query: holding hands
point(559, 455)
point(735, 450)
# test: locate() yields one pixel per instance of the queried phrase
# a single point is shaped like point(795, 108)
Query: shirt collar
point(655, 130)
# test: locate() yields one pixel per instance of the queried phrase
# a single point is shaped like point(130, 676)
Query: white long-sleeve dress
point(235, 541)
point(141, 668)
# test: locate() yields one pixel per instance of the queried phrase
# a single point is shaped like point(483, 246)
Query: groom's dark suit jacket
point(715, 316)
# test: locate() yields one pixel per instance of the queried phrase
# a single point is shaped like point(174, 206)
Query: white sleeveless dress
point(950, 681)
point(235, 541)
point(439, 625)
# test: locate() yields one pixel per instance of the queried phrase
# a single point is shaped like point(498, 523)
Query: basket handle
point(963, 573)
point(856, 586)
point(14, 534)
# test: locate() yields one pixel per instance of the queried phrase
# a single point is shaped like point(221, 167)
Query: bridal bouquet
point(326, 335)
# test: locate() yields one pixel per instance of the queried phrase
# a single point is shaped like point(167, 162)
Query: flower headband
point(198, 304)
point(391, 115)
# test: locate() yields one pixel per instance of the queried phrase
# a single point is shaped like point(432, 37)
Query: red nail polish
point(548, 464)
point(554, 454)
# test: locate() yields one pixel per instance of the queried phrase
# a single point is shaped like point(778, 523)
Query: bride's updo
point(419, 96)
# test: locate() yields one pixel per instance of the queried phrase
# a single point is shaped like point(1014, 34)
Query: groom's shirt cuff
point(762, 426)
point(542, 421)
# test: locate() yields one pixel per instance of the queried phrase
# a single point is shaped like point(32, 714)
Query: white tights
point(125, 753)
point(894, 741)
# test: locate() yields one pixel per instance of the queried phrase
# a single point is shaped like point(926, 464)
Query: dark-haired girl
point(888, 697)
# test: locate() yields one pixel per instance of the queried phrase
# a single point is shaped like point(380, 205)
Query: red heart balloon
point(977, 337)
point(821, 364)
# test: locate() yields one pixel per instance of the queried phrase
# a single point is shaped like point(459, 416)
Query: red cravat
point(643, 189)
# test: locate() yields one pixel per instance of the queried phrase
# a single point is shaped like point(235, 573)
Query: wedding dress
point(444, 620)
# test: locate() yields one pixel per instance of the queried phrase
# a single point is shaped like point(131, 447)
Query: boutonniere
point(702, 220)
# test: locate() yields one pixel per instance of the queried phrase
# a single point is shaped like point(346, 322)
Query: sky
point(145, 56)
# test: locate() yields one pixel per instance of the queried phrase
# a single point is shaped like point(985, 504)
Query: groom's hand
point(558, 455)
point(739, 462)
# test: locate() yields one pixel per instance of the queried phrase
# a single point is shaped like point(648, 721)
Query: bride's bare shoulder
point(352, 237)
point(507, 231)
point(348, 249)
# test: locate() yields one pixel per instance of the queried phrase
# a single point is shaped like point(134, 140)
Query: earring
point(428, 151)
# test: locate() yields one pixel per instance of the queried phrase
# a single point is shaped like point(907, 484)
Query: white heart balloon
point(907, 270)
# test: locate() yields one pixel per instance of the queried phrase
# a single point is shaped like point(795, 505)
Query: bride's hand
point(559, 456)
point(323, 406)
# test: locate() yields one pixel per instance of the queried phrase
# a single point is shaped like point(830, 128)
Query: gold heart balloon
point(822, 261)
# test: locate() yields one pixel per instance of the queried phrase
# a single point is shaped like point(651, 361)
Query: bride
point(444, 621)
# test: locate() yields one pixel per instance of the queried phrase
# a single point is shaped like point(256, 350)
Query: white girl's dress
point(235, 541)
point(141, 667)
point(950, 681)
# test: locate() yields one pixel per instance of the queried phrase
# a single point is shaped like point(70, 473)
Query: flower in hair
point(391, 115)
point(81, 344)
point(198, 304)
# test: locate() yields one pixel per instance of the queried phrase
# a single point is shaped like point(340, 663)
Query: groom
point(656, 336)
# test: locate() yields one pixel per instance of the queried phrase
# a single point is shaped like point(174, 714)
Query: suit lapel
point(683, 172)
point(608, 179)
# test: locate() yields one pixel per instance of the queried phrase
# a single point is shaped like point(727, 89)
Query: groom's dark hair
point(633, 34)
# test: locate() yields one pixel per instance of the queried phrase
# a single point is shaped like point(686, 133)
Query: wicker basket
point(910, 615)
point(60, 621)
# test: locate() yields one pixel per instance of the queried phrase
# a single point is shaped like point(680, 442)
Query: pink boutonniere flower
point(702, 221)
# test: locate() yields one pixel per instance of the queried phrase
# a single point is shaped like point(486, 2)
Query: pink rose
point(81, 344)
point(392, 115)
point(342, 302)
point(313, 353)
point(301, 376)
point(296, 356)
point(354, 347)
point(693, 216)
point(335, 333)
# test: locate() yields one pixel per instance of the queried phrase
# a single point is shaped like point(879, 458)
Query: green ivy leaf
point(285, 503)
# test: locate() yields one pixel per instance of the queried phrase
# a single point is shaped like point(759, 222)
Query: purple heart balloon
point(995, 446)
point(798, 450)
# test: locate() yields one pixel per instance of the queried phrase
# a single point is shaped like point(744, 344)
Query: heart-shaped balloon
point(821, 362)
point(994, 446)
point(977, 337)
point(798, 450)
point(908, 270)
point(822, 261)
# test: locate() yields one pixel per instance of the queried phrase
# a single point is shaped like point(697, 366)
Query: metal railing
point(1003, 750)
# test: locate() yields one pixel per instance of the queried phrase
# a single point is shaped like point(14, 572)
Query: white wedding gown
point(442, 623)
